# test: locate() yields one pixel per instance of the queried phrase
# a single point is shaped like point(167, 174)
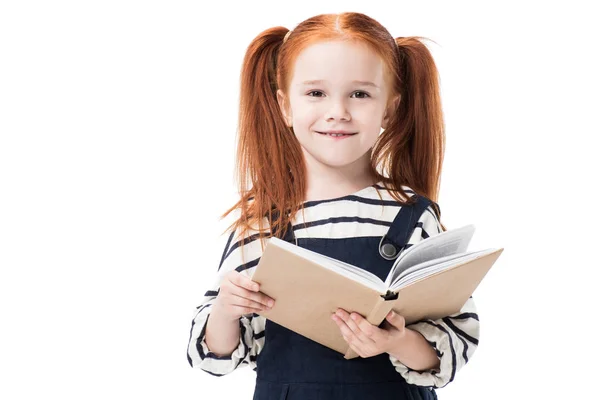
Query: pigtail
point(411, 149)
point(268, 154)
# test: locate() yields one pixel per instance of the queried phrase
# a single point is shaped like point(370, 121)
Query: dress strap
point(394, 241)
point(289, 234)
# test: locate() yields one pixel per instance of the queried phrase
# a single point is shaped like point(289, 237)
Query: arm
point(222, 336)
point(453, 338)
point(235, 344)
point(415, 352)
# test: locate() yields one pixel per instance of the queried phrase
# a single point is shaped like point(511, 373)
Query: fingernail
point(270, 303)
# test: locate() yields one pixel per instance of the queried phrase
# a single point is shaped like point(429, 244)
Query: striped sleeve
point(454, 337)
point(251, 325)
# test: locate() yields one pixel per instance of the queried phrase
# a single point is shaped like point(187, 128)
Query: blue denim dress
point(293, 367)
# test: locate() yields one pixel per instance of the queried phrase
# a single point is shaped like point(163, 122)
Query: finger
point(396, 320)
point(368, 329)
point(356, 349)
point(358, 331)
point(246, 302)
point(240, 310)
point(361, 348)
point(243, 281)
point(348, 333)
point(350, 320)
point(242, 291)
point(344, 328)
point(257, 297)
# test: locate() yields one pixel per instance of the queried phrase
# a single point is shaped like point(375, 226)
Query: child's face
point(336, 102)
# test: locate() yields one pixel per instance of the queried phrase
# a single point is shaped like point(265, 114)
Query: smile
point(337, 134)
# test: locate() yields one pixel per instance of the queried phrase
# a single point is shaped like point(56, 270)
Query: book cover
point(309, 287)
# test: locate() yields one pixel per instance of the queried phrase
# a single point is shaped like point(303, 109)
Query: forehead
point(338, 62)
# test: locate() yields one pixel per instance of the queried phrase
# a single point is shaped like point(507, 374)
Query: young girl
point(341, 137)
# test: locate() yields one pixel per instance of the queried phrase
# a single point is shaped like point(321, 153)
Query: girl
point(341, 136)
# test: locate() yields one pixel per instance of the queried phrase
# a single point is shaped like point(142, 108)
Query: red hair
point(270, 168)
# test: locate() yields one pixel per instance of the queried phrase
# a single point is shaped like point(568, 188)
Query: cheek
point(369, 115)
point(307, 118)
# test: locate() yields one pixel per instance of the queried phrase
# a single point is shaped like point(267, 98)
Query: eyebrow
point(362, 83)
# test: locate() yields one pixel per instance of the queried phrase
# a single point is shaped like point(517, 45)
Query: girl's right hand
point(239, 295)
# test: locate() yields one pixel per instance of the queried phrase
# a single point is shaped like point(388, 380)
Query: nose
point(338, 111)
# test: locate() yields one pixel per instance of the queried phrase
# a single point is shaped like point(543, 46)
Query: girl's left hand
point(366, 339)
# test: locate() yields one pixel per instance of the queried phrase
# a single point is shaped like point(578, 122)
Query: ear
point(390, 110)
point(284, 107)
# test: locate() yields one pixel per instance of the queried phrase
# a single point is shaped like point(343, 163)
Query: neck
point(325, 182)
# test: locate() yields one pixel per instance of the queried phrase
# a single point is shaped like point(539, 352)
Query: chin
point(337, 162)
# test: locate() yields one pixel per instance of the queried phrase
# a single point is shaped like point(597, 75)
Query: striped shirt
point(361, 214)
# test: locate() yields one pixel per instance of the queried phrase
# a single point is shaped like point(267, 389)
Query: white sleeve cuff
point(201, 357)
point(454, 339)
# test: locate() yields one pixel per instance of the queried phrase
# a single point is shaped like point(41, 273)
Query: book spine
point(389, 295)
point(381, 309)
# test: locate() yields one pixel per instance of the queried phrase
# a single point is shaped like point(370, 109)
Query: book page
point(420, 271)
point(348, 270)
point(453, 241)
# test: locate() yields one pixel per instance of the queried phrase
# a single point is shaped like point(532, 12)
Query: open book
point(431, 279)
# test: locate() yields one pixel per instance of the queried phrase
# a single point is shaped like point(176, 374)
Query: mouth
point(336, 134)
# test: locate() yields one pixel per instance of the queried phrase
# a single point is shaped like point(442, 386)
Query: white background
point(117, 122)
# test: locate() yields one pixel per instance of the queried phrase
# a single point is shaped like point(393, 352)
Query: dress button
point(388, 250)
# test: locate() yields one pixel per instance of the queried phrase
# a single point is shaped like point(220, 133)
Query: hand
point(366, 339)
point(239, 295)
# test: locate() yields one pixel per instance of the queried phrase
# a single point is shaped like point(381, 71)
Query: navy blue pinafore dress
point(292, 367)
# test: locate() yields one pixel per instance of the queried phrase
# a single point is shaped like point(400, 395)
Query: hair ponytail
point(267, 152)
point(411, 149)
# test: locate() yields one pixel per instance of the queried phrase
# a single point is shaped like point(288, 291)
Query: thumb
point(395, 319)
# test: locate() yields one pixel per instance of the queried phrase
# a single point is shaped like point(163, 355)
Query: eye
point(365, 94)
point(362, 95)
point(314, 91)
